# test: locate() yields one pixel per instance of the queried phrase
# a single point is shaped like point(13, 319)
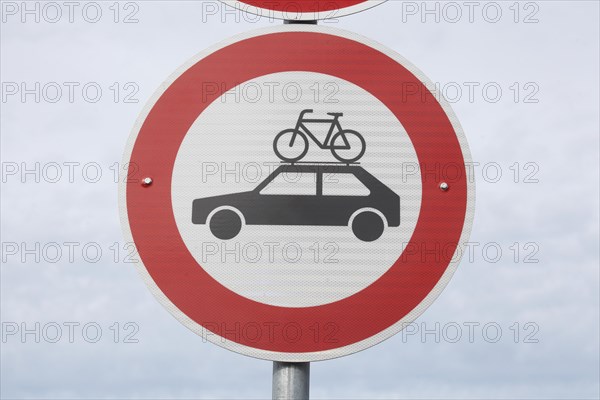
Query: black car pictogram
point(307, 195)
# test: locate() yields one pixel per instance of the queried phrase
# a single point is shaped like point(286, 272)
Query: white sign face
point(297, 208)
point(306, 10)
point(307, 265)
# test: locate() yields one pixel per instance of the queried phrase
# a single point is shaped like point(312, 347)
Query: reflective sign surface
point(307, 193)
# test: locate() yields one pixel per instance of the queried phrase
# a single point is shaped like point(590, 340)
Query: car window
point(292, 183)
point(343, 184)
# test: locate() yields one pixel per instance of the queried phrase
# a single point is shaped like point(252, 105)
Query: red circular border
point(358, 317)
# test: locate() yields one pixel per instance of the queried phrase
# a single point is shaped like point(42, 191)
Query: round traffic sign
point(302, 10)
point(300, 206)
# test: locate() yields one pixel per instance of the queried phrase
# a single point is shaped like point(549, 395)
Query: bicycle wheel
point(348, 146)
point(288, 151)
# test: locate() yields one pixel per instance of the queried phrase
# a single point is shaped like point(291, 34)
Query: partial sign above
point(304, 9)
point(299, 206)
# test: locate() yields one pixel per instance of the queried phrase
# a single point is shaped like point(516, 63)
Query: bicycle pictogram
point(346, 145)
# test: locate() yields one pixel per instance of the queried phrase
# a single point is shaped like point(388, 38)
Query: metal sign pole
point(291, 21)
point(291, 381)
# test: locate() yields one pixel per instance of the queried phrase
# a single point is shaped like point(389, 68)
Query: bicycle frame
point(335, 123)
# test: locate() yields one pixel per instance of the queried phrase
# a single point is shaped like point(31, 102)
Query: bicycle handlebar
point(307, 111)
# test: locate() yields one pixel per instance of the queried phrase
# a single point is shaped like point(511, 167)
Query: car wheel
point(225, 224)
point(368, 226)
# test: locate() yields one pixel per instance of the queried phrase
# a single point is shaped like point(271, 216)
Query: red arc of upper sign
point(303, 9)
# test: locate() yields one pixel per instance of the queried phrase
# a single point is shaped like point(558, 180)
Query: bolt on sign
point(270, 200)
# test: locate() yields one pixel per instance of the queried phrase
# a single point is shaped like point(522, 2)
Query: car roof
point(313, 167)
point(329, 168)
point(321, 167)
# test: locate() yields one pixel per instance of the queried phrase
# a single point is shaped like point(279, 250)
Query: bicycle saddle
point(336, 114)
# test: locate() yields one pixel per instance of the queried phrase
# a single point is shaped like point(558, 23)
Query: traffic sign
point(304, 9)
point(297, 193)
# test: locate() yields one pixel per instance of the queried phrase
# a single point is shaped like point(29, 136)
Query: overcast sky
point(541, 133)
